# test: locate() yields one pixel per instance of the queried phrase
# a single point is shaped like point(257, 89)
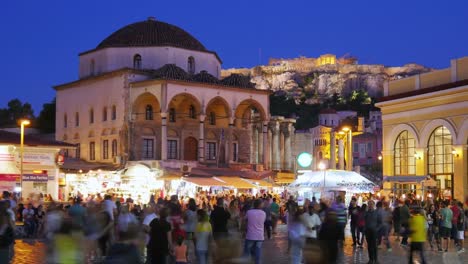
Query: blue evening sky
point(40, 40)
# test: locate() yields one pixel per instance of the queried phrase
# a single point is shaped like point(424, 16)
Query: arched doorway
point(190, 149)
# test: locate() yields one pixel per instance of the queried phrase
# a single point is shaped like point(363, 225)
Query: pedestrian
point(446, 224)
point(361, 225)
point(7, 236)
point(219, 219)
point(456, 212)
point(275, 214)
point(404, 220)
point(203, 237)
point(255, 223)
point(268, 219)
point(29, 221)
point(296, 235)
point(180, 251)
point(160, 243)
point(329, 236)
point(341, 217)
point(433, 222)
point(353, 213)
point(190, 219)
point(384, 212)
point(418, 235)
point(460, 228)
point(373, 225)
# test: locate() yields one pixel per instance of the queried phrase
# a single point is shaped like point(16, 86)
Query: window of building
point(148, 148)
point(211, 150)
point(404, 149)
point(235, 151)
point(439, 154)
point(191, 65)
point(104, 114)
point(114, 147)
point(77, 119)
point(172, 149)
point(192, 113)
point(105, 149)
point(78, 151)
point(369, 147)
point(212, 117)
point(149, 112)
point(137, 61)
point(355, 147)
point(91, 68)
point(92, 149)
point(65, 120)
point(91, 116)
point(114, 112)
point(172, 115)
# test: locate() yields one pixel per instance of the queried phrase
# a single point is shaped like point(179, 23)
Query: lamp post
point(23, 123)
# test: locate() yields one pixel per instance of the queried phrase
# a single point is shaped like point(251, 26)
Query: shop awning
point(169, 177)
point(236, 182)
point(261, 183)
point(405, 179)
point(204, 181)
point(284, 177)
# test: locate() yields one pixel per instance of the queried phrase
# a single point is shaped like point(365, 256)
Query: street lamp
point(23, 123)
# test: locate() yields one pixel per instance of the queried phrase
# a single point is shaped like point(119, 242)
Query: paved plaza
point(275, 252)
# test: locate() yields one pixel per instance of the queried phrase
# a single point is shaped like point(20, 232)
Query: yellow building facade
point(425, 131)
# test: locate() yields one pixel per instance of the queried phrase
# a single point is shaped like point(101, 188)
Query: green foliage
point(46, 119)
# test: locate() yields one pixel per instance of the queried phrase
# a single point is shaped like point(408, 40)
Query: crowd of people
point(226, 228)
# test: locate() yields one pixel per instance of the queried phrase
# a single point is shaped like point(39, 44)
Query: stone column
point(349, 151)
point(287, 146)
point(163, 136)
point(265, 145)
point(332, 164)
point(276, 153)
point(260, 143)
point(201, 140)
point(254, 144)
point(230, 150)
point(341, 154)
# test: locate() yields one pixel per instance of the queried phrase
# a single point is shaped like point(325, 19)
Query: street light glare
point(321, 166)
point(345, 129)
point(25, 122)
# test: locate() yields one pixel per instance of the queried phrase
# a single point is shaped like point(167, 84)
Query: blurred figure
point(255, 219)
point(386, 215)
point(361, 225)
point(68, 245)
point(160, 243)
point(296, 237)
point(219, 219)
point(153, 210)
point(329, 236)
point(433, 218)
point(125, 250)
point(180, 251)
point(353, 213)
point(373, 225)
point(203, 237)
point(404, 220)
point(460, 228)
point(29, 221)
point(418, 235)
point(267, 210)
point(455, 218)
point(341, 217)
point(396, 221)
point(275, 213)
point(7, 234)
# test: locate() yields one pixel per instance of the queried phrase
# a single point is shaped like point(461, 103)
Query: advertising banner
point(36, 177)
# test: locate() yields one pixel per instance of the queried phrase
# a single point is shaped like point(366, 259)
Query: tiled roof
point(172, 72)
point(238, 80)
point(30, 140)
point(205, 77)
point(151, 33)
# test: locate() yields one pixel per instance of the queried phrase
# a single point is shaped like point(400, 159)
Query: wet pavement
point(29, 251)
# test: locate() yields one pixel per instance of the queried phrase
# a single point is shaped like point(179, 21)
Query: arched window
point(404, 159)
point(114, 147)
point(439, 155)
point(77, 119)
point(172, 115)
point(212, 118)
point(192, 113)
point(149, 112)
point(114, 112)
point(137, 61)
point(65, 120)
point(104, 114)
point(191, 65)
point(91, 116)
point(92, 68)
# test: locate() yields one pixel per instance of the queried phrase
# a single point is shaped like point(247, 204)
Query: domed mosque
point(150, 92)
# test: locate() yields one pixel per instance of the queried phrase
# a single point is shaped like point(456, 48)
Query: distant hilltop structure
point(324, 76)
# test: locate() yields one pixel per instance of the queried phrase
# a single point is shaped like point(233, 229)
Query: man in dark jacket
point(404, 220)
point(353, 211)
point(219, 219)
point(373, 225)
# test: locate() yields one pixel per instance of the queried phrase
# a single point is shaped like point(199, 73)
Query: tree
point(16, 110)
point(46, 119)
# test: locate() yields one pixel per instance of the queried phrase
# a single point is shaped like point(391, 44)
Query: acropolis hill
point(321, 77)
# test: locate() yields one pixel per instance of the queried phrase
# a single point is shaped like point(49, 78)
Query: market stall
point(327, 182)
point(421, 187)
point(236, 184)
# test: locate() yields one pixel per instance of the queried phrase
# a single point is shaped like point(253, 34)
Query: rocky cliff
point(309, 80)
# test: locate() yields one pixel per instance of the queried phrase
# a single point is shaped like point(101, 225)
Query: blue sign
point(35, 177)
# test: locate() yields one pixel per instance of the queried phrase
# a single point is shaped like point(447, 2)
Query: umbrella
point(336, 180)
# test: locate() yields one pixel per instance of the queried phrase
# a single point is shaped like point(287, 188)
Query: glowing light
point(322, 166)
point(304, 159)
point(403, 196)
point(429, 195)
point(17, 189)
point(418, 196)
